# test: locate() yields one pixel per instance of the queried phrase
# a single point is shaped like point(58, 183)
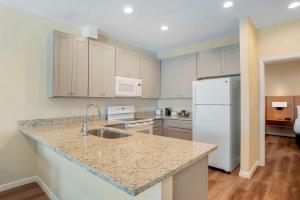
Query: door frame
point(262, 101)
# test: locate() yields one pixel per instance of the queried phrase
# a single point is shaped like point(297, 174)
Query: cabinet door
point(231, 60)
point(62, 64)
point(170, 78)
point(95, 69)
point(157, 79)
point(109, 71)
point(101, 69)
point(158, 131)
point(128, 63)
point(187, 73)
point(209, 63)
point(80, 67)
point(148, 70)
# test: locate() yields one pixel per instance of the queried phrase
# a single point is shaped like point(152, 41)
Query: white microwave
point(128, 87)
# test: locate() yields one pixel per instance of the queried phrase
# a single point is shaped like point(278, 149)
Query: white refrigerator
point(216, 119)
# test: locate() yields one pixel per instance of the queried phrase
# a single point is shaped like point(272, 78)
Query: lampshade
point(279, 104)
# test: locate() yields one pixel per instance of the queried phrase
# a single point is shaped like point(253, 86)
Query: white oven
point(128, 87)
point(125, 114)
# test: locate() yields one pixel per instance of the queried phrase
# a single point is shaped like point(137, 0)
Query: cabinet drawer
point(157, 123)
point(179, 124)
point(179, 133)
point(158, 131)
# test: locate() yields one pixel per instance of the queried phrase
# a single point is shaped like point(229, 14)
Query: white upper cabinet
point(218, 62)
point(187, 73)
point(231, 60)
point(170, 78)
point(177, 75)
point(68, 66)
point(80, 71)
point(209, 63)
point(128, 63)
point(101, 69)
point(150, 75)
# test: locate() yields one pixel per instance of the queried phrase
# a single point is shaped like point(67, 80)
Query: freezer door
point(212, 91)
point(211, 124)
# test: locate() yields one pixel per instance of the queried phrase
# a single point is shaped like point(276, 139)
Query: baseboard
point(17, 183)
point(249, 174)
point(46, 189)
point(28, 180)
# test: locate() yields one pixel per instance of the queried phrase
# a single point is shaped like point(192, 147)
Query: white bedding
point(297, 126)
point(297, 122)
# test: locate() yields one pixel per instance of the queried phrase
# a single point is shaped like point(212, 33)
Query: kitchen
point(56, 68)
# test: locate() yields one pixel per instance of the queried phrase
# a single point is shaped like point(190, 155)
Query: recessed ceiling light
point(164, 28)
point(294, 4)
point(228, 4)
point(128, 10)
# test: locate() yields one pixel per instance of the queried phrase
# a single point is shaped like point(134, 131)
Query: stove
point(126, 114)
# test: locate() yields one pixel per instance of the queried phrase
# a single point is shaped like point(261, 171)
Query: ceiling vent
point(89, 32)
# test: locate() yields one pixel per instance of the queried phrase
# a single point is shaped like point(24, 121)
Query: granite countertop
point(152, 158)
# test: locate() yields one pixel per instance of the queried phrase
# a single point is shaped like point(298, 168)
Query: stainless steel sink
point(106, 133)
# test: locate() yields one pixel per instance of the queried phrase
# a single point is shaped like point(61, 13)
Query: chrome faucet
point(85, 128)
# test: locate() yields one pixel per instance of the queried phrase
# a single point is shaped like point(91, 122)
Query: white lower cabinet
point(178, 129)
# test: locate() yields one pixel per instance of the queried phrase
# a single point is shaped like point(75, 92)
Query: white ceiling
point(189, 21)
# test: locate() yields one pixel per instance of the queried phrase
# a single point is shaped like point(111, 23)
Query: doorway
point(262, 77)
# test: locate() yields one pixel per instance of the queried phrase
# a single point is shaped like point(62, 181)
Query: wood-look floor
point(30, 191)
point(278, 180)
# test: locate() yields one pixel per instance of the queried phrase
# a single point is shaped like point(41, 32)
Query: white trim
point(262, 63)
point(249, 174)
point(17, 183)
point(46, 189)
point(28, 180)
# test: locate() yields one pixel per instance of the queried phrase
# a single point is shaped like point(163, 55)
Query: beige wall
point(23, 83)
point(283, 79)
point(249, 95)
point(279, 40)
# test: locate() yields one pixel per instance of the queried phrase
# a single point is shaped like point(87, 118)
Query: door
point(187, 73)
point(63, 62)
point(80, 67)
point(231, 60)
point(209, 63)
point(128, 63)
point(212, 91)
point(211, 124)
point(170, 78)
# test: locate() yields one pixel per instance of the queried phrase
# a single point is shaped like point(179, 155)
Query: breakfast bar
point(136, 166)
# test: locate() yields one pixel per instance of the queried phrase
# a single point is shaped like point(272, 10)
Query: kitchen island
point(140, 166)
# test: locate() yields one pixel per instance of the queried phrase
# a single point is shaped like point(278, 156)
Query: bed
point(297, 126)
